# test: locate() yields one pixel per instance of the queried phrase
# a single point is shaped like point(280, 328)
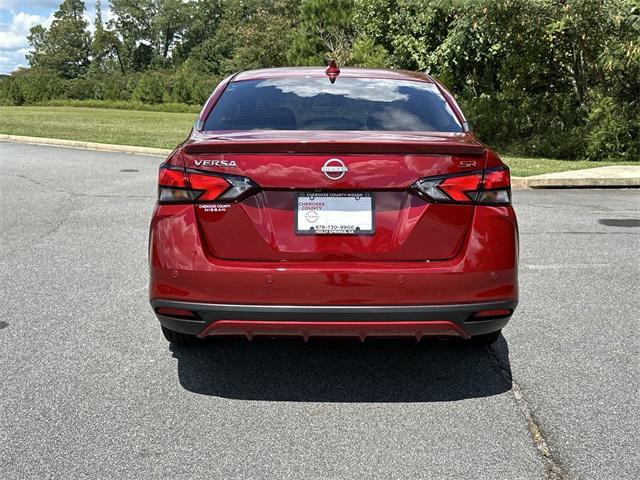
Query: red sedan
point(315, 202)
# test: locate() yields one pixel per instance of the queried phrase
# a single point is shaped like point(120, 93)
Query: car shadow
point(344, 370)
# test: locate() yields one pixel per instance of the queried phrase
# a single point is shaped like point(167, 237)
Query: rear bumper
point(352, 321)
point(181, 269)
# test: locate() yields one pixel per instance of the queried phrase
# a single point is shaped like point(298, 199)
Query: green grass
point(123, 105)
point(122, 127)
point(525, 167)
point(167, 129)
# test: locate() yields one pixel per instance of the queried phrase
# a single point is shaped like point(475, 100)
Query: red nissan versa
point(315, 202)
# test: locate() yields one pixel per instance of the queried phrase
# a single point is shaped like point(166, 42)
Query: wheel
point(484, 340)
point(178, 338)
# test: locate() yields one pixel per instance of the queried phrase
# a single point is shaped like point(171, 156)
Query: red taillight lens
point(210, 186)
point(458, 188)
point(452, 189)
point(172, 187)
point(179, 185)
point(493, 187)
point(497, 187)
point(497, 178)
point(171, 178)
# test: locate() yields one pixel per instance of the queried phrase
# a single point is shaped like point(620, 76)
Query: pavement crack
point(52, 230)
point(79, 194)
point(41, 184)
point(61, 217)
point(552, 468)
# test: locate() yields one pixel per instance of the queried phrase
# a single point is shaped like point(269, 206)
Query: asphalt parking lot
point(90, 388)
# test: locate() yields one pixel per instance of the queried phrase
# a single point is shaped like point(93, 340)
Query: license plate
point(334, 214)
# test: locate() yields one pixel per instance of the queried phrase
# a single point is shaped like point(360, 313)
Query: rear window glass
point(348, 104)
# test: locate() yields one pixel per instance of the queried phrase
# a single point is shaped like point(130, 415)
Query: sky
point(16, 19)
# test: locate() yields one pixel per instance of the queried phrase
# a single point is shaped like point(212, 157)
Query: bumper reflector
point(491, 314)
point(175, 312)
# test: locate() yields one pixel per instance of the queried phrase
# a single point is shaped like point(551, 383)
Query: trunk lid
point(288, 164)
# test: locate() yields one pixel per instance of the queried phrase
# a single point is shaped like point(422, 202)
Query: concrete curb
point(517, 183)
point(532, 182)
point(105, 147)
point(608, 176)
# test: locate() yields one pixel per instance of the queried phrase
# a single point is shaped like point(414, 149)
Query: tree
point(325, 32)
point(105, 45)
point(170, 24)
point(203, 19)
point(263, 38)
point(66, 47)
point(149, 29)
point(248, 34)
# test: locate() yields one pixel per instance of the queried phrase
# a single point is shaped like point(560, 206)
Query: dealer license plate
point(334, 213)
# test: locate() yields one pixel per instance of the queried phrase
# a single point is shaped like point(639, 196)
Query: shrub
point(81, 88)
point(149, 89)
point(546, 125)
point(123, 105)
point(30, 86)
point(10, 93)
point(190, 85)
point(612, 131)
point(182, 85)
point(116, 86)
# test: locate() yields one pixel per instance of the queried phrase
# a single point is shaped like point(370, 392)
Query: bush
point(547, 125)
point(123, 105)
point(10, 93)
point(150, 88)
point(81, 88)
point(182, 85)
point(30, 86)
point(115, 86)
point(190, 85)
point(185, 86)
point(612, 131)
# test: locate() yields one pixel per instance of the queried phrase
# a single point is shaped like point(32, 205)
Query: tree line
point(556, 78)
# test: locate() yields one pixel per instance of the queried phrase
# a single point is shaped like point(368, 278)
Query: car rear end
point(360, 207)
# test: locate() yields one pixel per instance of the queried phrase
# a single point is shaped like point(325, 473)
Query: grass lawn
point(525, 167)
point(101, 125)
point(166, 130)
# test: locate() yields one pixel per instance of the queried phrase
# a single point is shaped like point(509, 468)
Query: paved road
point(89, 388)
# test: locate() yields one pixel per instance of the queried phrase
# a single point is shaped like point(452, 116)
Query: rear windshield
point(348, 104)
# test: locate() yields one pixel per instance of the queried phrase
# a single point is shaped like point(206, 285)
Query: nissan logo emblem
point(334, 169)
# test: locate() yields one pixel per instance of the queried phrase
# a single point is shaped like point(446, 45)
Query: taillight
point(180, 185)
point(493, 187)
point(211, 187)
point(497, 187)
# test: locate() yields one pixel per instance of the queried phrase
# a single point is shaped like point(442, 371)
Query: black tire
point(484, 340)
point(181, 339)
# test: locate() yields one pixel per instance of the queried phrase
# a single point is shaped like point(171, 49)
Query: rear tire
point(484, 340)
point(181, 339)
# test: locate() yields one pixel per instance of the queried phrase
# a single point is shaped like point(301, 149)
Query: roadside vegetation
point(121, 127)
point(537, 78)
point(526, 167)
point(122, 105)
